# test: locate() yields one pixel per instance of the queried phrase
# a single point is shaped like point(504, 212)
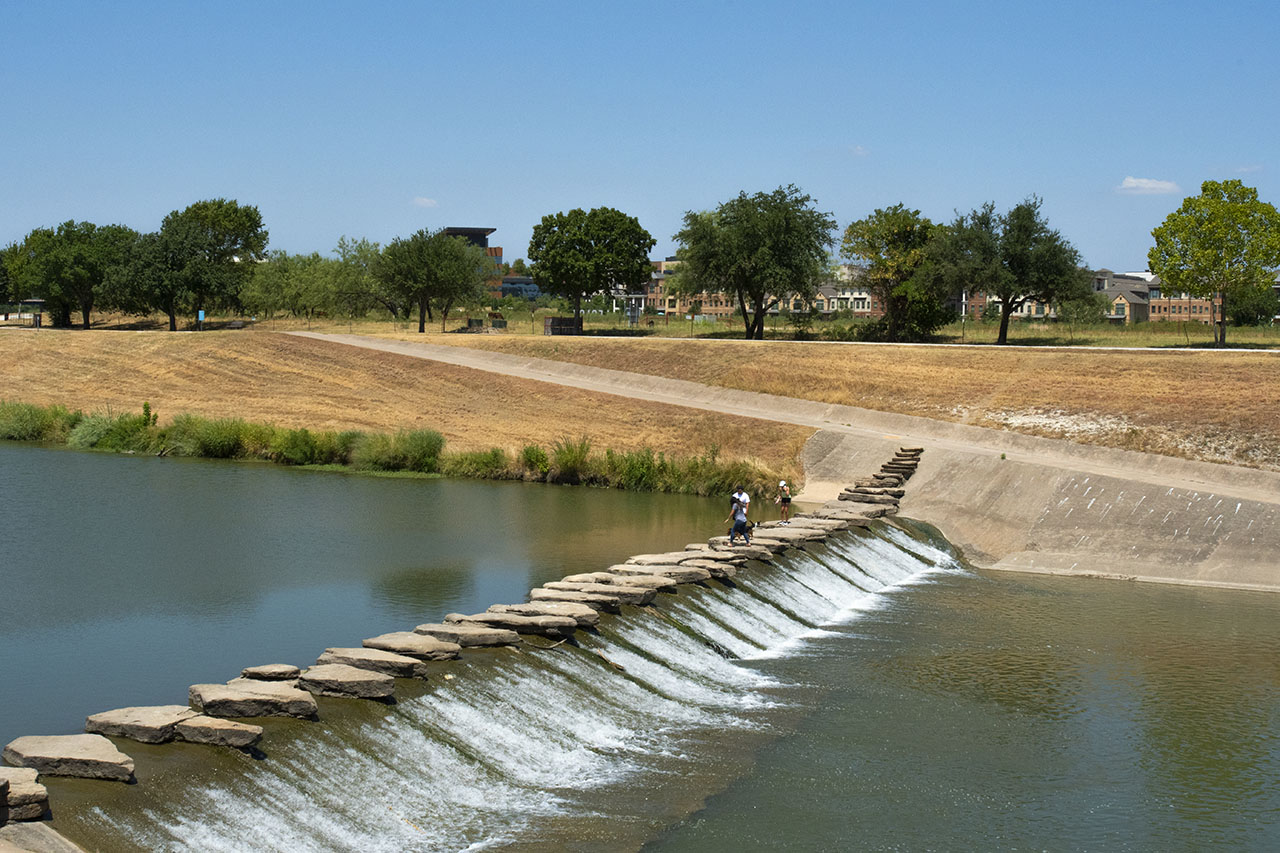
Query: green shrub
point(533, 459)
point(128, 434)
point(416, 450)
point(27, 422)
point(293, 447)
point(492, 464)
point(90, 431)
point(192, 435)
point(570, 461)
point(637, 470)
point(257, 439)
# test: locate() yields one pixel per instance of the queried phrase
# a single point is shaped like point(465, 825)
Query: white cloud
point(1147, 186)
point(859, 151)
point(1248, 170)
point(421, 201)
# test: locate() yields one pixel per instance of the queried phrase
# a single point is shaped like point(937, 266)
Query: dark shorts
point(785, 500)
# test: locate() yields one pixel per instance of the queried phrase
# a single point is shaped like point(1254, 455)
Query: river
point(873, 693)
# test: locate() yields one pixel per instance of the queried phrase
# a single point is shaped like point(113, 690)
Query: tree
point(356, 288)
point(1083, 309)
point(761, 249)
point(1223, 242)
point(892, 242)
point(433, 269)
point(199, 259)
point(578, 254)
point(1256, 306)
point(67, 266)
point(1013, 257)
point(303, 285)
point(519, 267)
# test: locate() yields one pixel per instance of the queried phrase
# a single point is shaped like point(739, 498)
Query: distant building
point(519, 286)
point(480, 237)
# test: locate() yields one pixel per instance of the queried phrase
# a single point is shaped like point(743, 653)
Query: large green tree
point(578, 254)
point(891, 245)
point(356, 288)
point(67, 266)
point(1224, 242)
point(1013, 257)
point(302, 285)
point(761, 249)
point(199, 259)
point(432, 269)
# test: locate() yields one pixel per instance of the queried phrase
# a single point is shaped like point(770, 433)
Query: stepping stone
point(271, 672)
point(21, 796)
point(644, 580)
point(414, 645)
point(868, 499)
point(753, 552)
point(245, 697)
point(716, 568)
point(84, 756)
point(338, 679)
point(625, 594)
point(876, 490)
point(376, 660)
point(469, 635)
point(790, 532)
point(584, 614)
point(153, 724)
point(683, 573)
point(551, 626)
point(215, 731)
point(702, 551)
point(670, 558)
point(596, 601)
point(830, 524)
point(589, 577)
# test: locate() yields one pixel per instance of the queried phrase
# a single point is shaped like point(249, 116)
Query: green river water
point(871, 694)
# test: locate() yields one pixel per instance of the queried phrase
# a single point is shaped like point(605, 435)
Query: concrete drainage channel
point(215, 714)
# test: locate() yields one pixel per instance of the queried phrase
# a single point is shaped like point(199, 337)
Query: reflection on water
point(1023, 712)
point(123, 580)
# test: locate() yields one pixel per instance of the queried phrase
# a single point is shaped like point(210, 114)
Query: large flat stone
point(831, 524)
point(216, 731)
point(789, 533)
point(862, 498)
point(596, 601)
point(271, 672)
point(339, 679)
point(21, 796)
point(468, 635)
point(244, 697)
point(148, 724)
point(753, 552)
point(376, 660)
point(85, 756)
point(716, 568)
point(759, 544)
point(584, 614)
point(554, 626)
point(625, 594)
point(682, 573)
point(414, 645)
point(589, 577)
point(38, 838)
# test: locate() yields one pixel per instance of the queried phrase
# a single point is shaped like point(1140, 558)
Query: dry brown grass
point(1214, 406)
point(299, 382)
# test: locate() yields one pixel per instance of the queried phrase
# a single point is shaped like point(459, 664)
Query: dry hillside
point(299, 382)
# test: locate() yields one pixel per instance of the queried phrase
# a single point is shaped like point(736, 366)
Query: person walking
point(738, 508)
point(784, 498)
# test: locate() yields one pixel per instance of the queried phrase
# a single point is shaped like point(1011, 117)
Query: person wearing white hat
point(784, 498)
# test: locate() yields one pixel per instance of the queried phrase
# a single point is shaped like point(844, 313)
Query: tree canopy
point(1223, 242)
point(431, 268)
point(578, 254)
point(199, 259)
point(892, 244)
point(761, 248)
point(67, 266)
point(1014, 257)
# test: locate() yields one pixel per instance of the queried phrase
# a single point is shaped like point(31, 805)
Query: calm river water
point(871, 694)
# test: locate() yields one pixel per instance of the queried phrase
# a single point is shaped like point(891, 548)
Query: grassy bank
point(419, 451)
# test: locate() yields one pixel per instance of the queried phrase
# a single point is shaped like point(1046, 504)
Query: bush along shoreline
point(568, 461)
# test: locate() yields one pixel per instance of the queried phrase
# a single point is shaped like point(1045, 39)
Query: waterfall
point(541, 746)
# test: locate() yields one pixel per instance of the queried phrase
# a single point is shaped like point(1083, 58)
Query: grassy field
point(296, 382)
point(1197, 404)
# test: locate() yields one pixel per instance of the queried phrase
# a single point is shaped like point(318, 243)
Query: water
point(868, 694)
point(123, 580)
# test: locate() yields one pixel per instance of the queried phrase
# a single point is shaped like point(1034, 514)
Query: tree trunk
point(1222, 338)
point(577, 313)
point(422, 316)
point(1007, 308)
point(173, 317)
point(748, 323)
point(84, 313)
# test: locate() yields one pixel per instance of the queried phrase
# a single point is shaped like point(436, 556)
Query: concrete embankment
point(1010, 501)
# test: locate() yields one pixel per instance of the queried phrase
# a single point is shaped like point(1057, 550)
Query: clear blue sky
point(378, 119)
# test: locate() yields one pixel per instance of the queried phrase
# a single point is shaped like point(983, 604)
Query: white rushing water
point(541, 738)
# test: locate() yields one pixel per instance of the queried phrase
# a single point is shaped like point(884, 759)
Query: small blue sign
point(201, 317)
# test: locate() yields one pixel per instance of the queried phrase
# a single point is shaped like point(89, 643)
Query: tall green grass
point(569, 460)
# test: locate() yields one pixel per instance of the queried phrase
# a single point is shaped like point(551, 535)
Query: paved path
point(878, 427)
